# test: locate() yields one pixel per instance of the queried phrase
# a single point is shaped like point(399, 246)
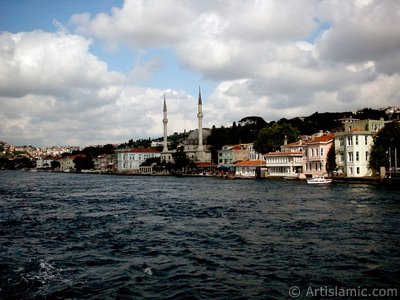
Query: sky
point(95, 72)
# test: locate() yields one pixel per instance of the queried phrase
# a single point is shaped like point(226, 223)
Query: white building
point(284, 164)
point(248, 169)
point(353, 146)
point(253, 154)
point(44, 162)
point(129, 160)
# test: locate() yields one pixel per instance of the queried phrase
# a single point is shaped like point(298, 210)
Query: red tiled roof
point(322, 139)
point(251, 163)
point(293, 144)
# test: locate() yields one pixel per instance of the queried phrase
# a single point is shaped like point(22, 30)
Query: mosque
point(195, 146)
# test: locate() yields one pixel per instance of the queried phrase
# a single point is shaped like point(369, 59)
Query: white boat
point(319, 180)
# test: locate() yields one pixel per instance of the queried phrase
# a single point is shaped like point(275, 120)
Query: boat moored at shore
point(319, 180)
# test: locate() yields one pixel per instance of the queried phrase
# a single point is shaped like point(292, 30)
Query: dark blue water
point(110, 237)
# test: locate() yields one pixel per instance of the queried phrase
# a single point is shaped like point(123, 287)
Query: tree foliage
point(141, 143)
point(181, 161)
point(151, 160)
point(271, 138)
point(388, 137)
point(55, 164)
point(331, 159)
point(83, 163)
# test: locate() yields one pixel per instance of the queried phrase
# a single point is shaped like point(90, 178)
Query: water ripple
point(90, 236)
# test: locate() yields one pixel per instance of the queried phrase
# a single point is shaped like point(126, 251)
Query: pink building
point(315, 154)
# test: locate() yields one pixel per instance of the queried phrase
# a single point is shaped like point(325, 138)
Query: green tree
point(152, 160)
point(331, 160)
point(181, 161)
point(55, 164)
point(271, 138)
point(388, 137)
point(249, 128)
point(83, 163)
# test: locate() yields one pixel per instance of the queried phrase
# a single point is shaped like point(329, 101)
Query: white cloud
point(360, 31)
point(54, 91)
point(266, 58)
point(45, 63)
point(138, 23)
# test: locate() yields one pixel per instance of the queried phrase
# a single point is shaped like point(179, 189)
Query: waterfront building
point(104, 163)
point(44, 162)
point(129, 160)
point(253, 154)
point(230, 154)
point(315, 153)
point(248, 168)
point(67, 163)
point(294, 146)
point(195, 146)
point(284, 163)
point(353, 146)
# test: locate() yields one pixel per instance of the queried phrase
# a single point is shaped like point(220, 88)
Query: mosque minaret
point(165, 122)
point(200, 120)
point(193, 144)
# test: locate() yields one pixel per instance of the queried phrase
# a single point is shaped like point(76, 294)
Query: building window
point(350, 159)
point(350, 170)
point(312, 151)
point(356, 139)
point(366, 155)
point(349, 141)
point(358, 170)
point(366, 140)
point(357, 156)
point(322, 151)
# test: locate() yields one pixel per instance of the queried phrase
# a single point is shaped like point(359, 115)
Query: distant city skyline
point(95, 72)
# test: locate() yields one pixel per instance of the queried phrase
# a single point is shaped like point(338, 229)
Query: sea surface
point(81, 236)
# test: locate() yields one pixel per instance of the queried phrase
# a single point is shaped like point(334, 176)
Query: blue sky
point(92, 72)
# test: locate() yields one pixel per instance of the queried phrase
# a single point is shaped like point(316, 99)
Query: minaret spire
point(200, 103)
point(200, 120)
point(165, 122)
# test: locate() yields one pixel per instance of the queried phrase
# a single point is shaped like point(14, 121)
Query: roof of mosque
point(195, 134)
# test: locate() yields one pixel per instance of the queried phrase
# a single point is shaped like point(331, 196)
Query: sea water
point(86, 236)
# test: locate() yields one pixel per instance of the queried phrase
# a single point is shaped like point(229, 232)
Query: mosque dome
point(193, 138)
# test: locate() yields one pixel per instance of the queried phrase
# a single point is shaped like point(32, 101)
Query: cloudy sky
point(95, 72)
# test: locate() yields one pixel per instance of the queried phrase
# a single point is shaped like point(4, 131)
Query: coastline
point(390, 182)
